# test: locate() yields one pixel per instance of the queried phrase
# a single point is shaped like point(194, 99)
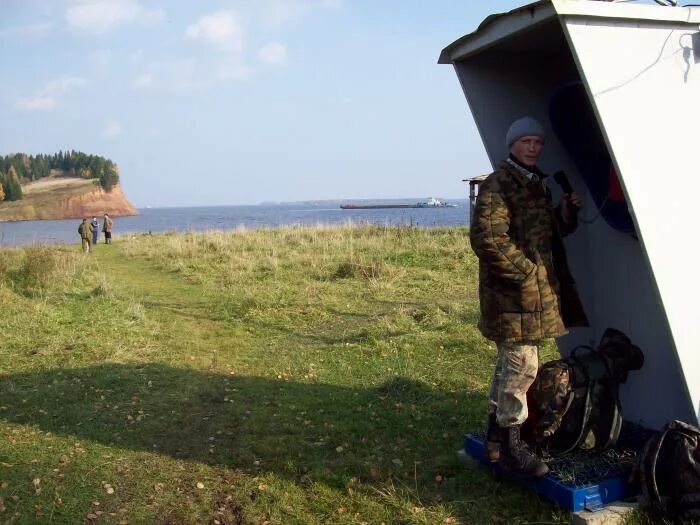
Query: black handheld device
point(563, 181)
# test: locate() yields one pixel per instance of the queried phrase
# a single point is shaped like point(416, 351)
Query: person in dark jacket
point(526, 291)
point(85, 231)
point(95, 230)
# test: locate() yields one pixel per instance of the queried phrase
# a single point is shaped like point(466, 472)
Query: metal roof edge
point(496, 27)
point(657, 13)
point(499, 26)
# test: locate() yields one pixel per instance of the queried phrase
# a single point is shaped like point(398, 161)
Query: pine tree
point(13, 189)
point(110, 177)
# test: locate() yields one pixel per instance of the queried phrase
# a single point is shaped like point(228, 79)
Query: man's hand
point(570, 204)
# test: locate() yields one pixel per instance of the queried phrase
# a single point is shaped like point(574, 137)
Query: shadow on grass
point(294, 429)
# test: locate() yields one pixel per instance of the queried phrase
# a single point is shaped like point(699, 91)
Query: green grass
point(286, 376)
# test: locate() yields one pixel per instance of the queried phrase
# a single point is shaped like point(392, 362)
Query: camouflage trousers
point(516, 369)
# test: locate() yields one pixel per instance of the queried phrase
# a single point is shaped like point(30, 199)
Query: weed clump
point(40, 267)
point(350, 270)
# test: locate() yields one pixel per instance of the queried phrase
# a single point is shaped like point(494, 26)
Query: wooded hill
point(19, 168)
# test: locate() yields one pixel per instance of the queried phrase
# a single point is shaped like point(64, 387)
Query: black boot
point(493, 440)
point(517, 457)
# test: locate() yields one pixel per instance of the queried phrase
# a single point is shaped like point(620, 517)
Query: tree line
point(18, 168)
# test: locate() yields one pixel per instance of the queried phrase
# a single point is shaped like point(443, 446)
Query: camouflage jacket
point(85, 230)
point(526, 290)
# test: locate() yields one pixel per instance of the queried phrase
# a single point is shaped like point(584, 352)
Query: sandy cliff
point(66, 198)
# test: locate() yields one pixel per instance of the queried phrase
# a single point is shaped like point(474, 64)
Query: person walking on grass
point(85, 230)
point(107, 229)
point(526, 291)
point(95, 230)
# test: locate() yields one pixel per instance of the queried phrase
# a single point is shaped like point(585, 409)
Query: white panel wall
point(646, 89)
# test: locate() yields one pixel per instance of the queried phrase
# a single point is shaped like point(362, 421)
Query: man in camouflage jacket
point(526, 290)
point(85, 231)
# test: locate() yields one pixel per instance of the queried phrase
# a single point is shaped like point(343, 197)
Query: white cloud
point(281, 12)
point(46, 99)
point(222, 29)
point(112, 129)
point(273, 53)
point(37, 103)
point(26, 32)
point(102, 16)
point(235, 71)
point(170, 76)
point(143, 81)
point(61, 85)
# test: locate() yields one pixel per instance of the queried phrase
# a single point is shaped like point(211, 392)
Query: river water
point(232, 217)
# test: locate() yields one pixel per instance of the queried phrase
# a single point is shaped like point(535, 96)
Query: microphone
point(563, 181)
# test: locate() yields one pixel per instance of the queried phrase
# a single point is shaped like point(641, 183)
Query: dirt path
point(187, 319)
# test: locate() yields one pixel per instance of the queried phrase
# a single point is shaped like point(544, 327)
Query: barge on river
point(430, 203)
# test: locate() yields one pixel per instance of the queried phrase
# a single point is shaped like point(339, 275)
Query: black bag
point(574, 402)
point(669, 472)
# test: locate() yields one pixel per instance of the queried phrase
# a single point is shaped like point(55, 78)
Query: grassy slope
point(281, 376)
point(41, 202)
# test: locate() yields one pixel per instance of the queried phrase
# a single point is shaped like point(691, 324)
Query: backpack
point(669, 471)
point(574, 402)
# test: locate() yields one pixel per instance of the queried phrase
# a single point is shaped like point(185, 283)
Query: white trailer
point(632, 72)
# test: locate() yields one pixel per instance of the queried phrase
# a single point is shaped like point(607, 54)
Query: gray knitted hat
point(522, 128)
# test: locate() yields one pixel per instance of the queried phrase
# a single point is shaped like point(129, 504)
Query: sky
point(225, 102)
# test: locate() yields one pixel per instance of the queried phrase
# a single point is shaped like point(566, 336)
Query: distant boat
point(432, 202)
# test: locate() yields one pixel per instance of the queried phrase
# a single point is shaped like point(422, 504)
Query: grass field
point(287, 376)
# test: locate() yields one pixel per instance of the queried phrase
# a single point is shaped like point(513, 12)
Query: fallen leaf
point(200, 485)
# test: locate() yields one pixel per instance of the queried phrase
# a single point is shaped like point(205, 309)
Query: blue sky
point(238, 102)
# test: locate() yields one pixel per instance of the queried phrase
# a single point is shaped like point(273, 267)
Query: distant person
point(107, 229)
point(85, 230)
point(95, 230)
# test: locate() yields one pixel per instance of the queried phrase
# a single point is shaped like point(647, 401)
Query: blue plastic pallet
point(592, 497)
